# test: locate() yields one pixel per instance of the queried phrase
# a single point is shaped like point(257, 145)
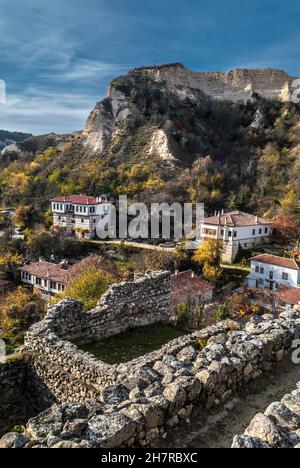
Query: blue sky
point(58, 56)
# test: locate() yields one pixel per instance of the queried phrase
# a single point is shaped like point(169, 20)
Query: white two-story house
point(272, 272)
point(79, 215)
point(236, 229)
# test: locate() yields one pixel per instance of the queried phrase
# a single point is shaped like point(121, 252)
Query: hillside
point(166, 133)
point(9, 138)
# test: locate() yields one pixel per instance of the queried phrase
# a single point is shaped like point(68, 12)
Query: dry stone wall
point(278, 427)
point(13, 407)
point(71, 374)
point(154, 394)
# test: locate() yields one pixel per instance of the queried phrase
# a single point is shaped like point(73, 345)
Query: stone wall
point(157, 392)
point(279, 427)
point(13, 408)
point(22, 393)
point(71, 374)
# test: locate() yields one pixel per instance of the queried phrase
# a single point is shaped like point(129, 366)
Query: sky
point(57, 57)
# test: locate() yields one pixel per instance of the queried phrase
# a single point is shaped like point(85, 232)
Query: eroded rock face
point(111, 115)
point(236, 85)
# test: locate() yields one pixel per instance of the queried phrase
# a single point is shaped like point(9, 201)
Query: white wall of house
point(243, 234)
point(74, 217)
point(43, 284)
point(271, 276)
point(246, 236)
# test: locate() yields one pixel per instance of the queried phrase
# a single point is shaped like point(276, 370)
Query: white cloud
point(42, 112)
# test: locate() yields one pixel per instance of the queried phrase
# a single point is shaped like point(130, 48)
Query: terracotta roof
point(235, 219)
point(289, 295)
point(42, 269)
point(78, 200)
point(290, 263)
point(186, 285)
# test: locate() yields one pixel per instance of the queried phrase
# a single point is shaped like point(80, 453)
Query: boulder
point(48, 423)
point(262, 428)
point(13, 440)
point(114, 394)
point(282, 416)
point(112, 430)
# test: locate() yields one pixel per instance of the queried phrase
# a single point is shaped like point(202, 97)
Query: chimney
point(256, 219)
point(176, 272)
point(222, 212)
point(193, 274)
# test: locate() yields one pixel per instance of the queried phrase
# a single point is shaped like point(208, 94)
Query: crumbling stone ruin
point(88, 403)
point(279, 427)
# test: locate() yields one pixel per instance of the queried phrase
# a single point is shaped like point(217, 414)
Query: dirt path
point(218, 429)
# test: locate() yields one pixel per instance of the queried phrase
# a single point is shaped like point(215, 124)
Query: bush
point(221, 313)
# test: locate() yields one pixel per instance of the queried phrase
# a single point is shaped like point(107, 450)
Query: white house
point(234, 229)
point(50, 278)
point(79, 215)
point(272, 272)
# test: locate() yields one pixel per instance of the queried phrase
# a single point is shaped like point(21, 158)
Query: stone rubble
point(279, 427)
point(146, 398)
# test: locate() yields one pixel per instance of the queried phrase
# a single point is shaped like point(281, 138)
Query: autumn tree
point(26, 217)
point(19, 309)
point(287, 227)
point(89, 286)
point(209, 255)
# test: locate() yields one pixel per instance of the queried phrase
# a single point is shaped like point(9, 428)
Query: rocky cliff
point(10, 138)
point(178, 84)
point(237, 85)
point(230, 140)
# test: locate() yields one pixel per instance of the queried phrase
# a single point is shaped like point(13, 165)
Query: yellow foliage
point(89, 286)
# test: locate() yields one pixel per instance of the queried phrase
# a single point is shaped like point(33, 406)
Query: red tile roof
point(48, 270)
point(289, 295)
point(236, 219)
point(78, 200)
point(289, 263)
point(186, 285)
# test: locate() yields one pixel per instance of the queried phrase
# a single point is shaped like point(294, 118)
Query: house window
point(262, 270)
point(285, 276)
point(235, 234)
point(257, 269)
point(38, 281)
point(245, 245)
point(253, 232)
point(271, 275)
point(261, 281)
point(53, 285)
point(82, 221)
point(229, 234)
point(260, 231)
point(266, 230)
point(45, 283)
point(222, 232)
